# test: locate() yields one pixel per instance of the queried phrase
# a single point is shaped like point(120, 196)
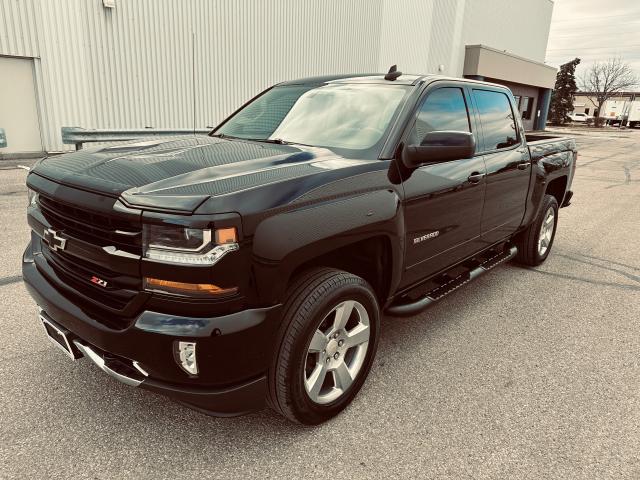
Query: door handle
point(475, 177)
point(523, 165)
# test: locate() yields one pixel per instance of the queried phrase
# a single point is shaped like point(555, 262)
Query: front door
point(508, 166)
point(443, 201)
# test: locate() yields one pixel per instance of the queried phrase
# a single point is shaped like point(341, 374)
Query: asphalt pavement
point(522, 374)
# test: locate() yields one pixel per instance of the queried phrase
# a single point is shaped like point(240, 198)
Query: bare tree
point(605, 79)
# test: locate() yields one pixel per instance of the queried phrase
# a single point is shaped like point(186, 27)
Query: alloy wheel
point(546, 231)
point(337, 352)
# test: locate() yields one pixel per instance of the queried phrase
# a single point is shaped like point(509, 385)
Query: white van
point(634, 114)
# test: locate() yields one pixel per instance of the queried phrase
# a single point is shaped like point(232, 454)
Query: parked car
point(253, 265)
point(579, 117)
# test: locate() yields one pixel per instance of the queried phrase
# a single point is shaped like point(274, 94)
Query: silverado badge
point(426, 237)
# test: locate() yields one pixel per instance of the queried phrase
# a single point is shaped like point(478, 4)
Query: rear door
point(443, 201)
point(507, 161)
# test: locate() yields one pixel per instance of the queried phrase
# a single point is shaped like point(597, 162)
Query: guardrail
point(3, 138)
point(78, 136)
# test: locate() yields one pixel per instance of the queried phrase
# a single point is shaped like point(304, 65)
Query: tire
point(311, 313)
point(530, 251)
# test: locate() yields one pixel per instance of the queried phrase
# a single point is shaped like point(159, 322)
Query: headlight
point(188, 245)
point(32, 197)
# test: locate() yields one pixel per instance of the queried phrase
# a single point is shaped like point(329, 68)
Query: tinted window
point(498, 123)
point(261, 117)
point(443, 109)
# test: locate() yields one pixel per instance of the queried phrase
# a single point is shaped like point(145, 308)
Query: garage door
point(18, 112)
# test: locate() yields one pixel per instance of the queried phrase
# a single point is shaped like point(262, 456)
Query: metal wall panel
point(139, 64)
point(184, 64)
point(517, 26)
point(18, 37)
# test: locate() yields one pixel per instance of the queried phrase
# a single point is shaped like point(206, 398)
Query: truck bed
point(544, 144)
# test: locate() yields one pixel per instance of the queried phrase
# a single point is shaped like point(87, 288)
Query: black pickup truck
point(252, 266)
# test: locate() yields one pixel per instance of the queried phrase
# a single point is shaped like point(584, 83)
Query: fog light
point(186, 357)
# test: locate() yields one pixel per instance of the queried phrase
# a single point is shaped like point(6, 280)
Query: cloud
point(594, 30)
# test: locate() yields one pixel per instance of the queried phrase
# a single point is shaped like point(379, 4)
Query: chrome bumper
point(109, 366)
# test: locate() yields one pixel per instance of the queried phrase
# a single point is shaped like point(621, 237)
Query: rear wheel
point(534, 243)
point(328, 340)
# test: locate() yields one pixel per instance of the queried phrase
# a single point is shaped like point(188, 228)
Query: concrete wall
point(488, 62)
point(144, 62)
point(611, 108)
point(584, 102)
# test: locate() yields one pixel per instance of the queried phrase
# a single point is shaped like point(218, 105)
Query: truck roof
point(404, 79)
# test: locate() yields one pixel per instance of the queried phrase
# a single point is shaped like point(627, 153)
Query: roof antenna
point(393, 73)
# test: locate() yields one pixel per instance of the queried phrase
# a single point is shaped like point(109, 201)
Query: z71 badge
point(426, 237)
point(99, 281)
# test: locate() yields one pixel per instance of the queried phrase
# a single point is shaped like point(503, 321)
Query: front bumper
point(229, 401)
point(233, 350)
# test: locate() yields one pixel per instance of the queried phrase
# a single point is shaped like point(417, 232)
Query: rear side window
point(443, 109)
point(498, 122)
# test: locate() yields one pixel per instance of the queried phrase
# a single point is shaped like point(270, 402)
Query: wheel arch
point(361, 235)
point(370, 259)
point(557, 188)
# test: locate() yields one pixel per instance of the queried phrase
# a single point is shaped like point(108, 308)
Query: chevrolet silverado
point(251, 267)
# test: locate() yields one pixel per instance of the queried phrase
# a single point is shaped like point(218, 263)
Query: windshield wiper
point(224, 135)
point(279, 141)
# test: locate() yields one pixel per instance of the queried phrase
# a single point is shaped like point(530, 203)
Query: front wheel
point(327, 343)
point(535, 242)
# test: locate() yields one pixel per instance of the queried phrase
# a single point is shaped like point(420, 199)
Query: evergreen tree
point(562, 96)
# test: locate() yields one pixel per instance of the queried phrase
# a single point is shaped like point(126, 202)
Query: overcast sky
point(594, 30)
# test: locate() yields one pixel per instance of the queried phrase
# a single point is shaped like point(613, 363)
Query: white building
point(184, 64)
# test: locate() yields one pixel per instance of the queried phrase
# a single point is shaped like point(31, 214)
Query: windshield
point(349, 118)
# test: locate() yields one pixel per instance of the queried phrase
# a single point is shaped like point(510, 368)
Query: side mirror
point(439, 147)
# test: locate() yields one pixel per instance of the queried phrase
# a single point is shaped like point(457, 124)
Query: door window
point(498, 122)
point(443, 109)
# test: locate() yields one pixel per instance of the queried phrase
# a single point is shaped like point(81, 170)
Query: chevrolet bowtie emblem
point(54, 241)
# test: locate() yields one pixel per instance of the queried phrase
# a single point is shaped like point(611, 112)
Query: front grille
point(121, 297)
point(92, 227)
point(77, 274)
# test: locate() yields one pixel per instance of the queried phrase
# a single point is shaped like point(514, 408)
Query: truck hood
point(180, 173)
